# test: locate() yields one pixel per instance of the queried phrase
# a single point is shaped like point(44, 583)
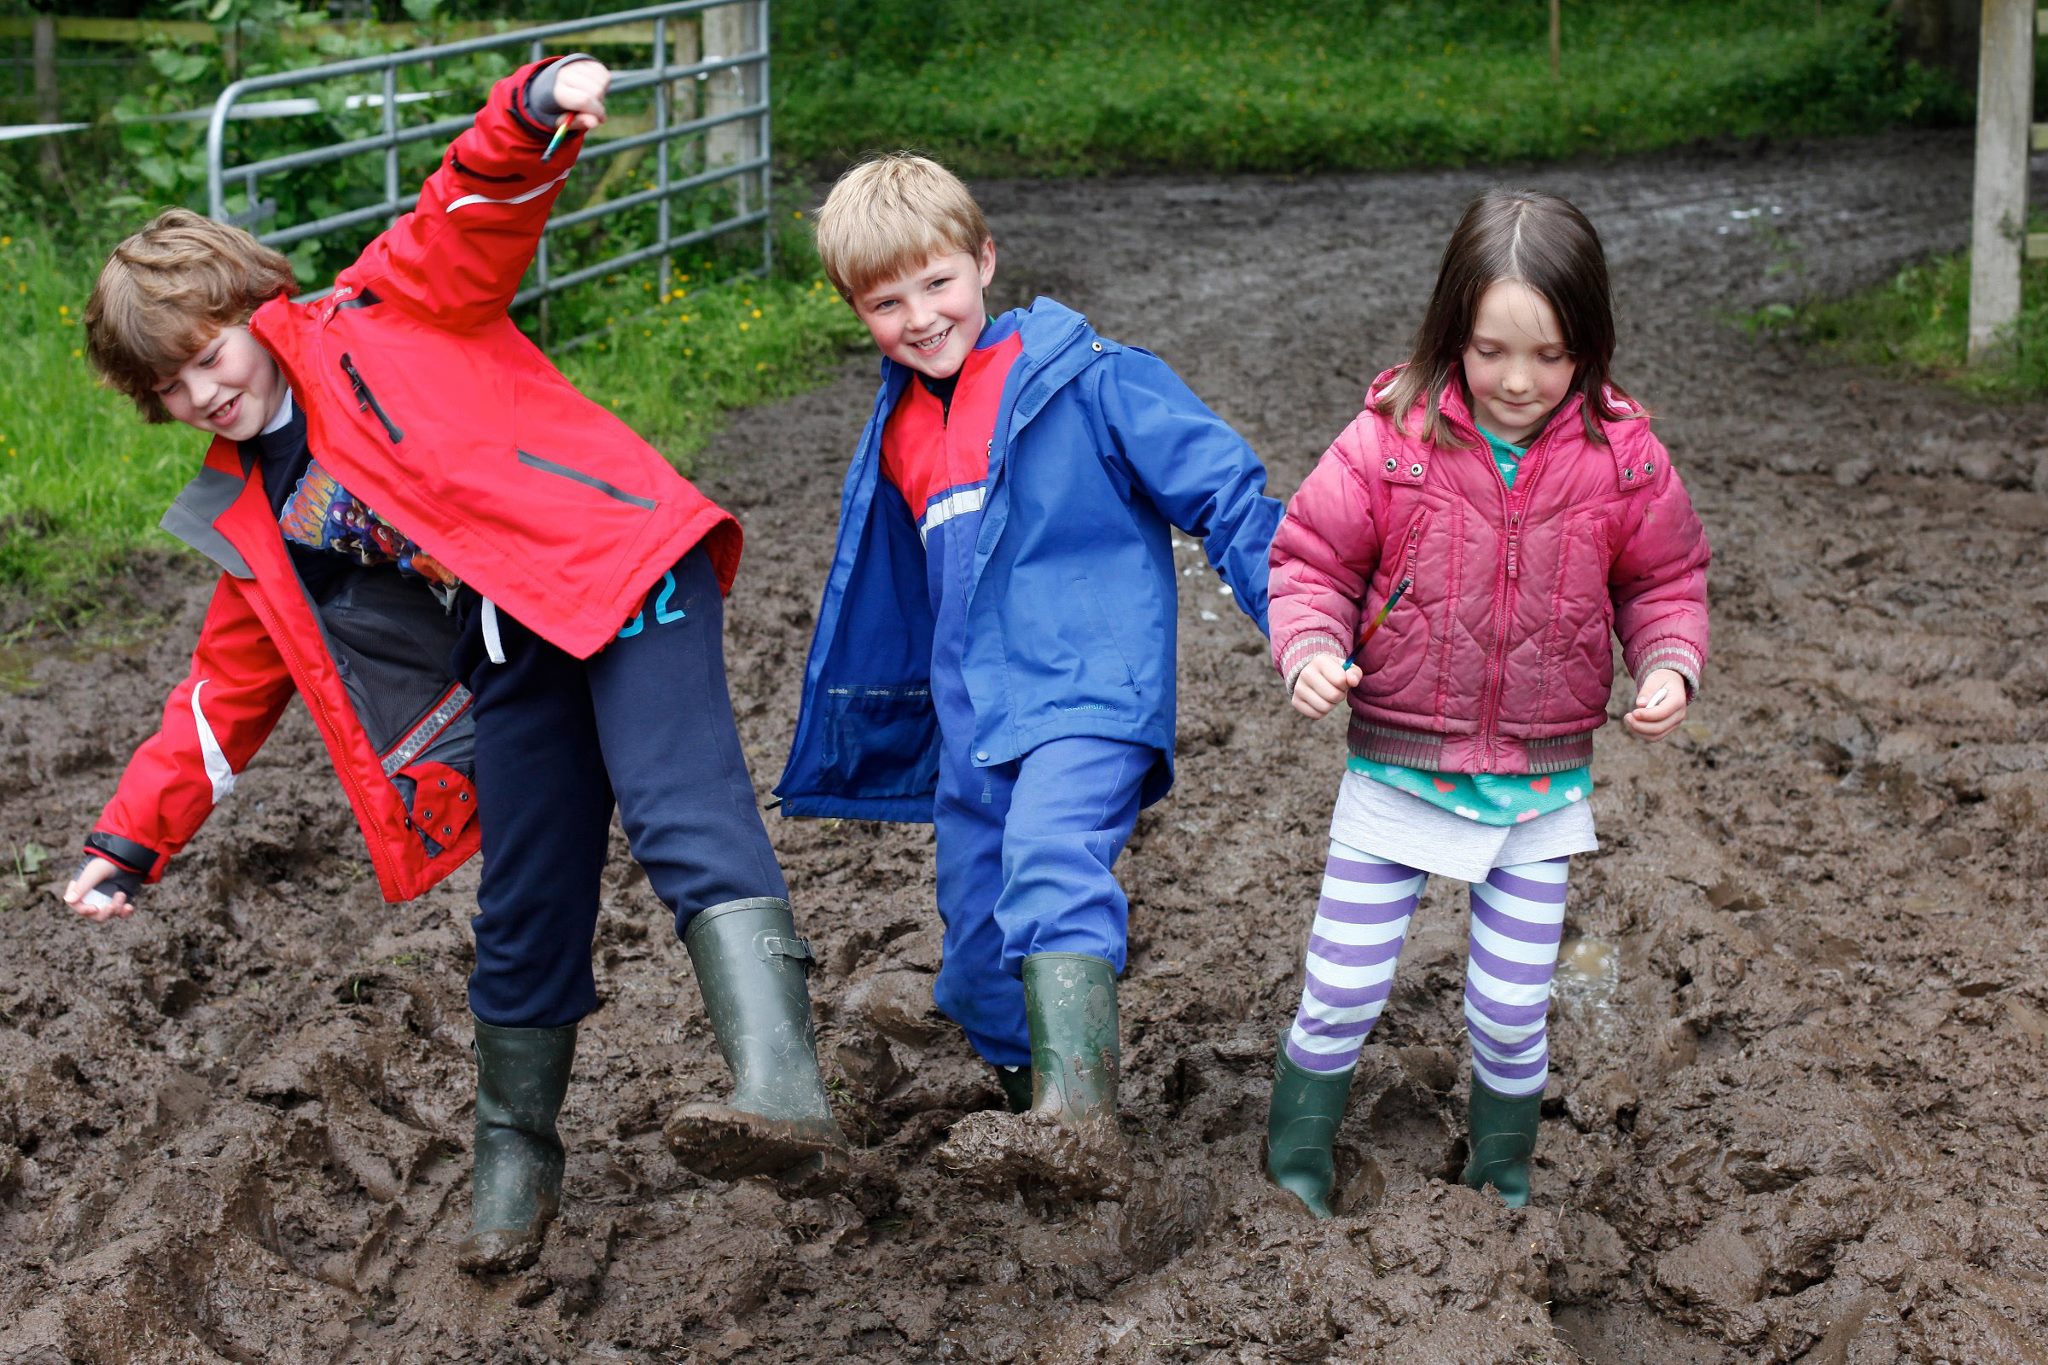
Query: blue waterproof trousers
point(1024, 857)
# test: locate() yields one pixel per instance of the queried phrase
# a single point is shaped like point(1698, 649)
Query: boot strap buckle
point(769, 946)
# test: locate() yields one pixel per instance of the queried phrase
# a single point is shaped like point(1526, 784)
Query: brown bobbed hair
point(166, 291)
point(1542, 241)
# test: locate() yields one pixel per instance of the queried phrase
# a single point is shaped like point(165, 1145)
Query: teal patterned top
point(1489, 798)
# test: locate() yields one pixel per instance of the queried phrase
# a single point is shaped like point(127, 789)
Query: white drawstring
point(493, 646)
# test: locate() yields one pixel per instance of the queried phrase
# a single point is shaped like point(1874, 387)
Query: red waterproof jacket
point(1499, 656)
point(426, 402)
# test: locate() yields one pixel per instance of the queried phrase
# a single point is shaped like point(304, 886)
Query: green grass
point(83, 480)
point(1059, 87)
point(1918, 321)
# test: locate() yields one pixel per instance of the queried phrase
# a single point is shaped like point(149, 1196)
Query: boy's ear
point(988, 261)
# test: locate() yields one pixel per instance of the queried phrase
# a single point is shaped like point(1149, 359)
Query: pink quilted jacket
point(1498, 658)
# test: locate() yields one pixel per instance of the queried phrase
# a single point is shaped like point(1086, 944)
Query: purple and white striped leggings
point(1361, 922)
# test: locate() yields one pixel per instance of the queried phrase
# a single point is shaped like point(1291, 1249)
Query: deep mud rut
point(1801, 1066)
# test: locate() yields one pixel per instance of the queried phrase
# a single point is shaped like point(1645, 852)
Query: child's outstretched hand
point(580, 90)
point(1323, 682)
point(84, 896)
point(1660, 705)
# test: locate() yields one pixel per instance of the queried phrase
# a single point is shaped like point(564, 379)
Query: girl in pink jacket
point(1456, 567)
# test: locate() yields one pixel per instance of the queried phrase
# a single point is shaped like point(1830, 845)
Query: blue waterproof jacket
point(1098, 450)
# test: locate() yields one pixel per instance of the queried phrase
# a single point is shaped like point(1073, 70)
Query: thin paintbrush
point(1378, 620)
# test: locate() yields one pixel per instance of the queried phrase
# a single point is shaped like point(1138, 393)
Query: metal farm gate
point(720, 47)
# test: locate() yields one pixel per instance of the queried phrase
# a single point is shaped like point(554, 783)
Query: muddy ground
point(1801, 1063)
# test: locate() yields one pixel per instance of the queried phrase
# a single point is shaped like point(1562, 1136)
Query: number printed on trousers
point(663, 612)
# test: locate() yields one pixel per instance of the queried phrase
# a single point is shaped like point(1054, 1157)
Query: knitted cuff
point(1676, 655)
point(1299, 652)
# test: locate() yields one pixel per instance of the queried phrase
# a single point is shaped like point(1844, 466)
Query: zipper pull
point(367, 401)
point(355, 382)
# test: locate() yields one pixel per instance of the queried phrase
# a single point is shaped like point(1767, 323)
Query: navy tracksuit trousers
point(645, 725)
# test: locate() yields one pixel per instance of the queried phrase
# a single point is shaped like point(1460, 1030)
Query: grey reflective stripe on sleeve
point(191, 516)
point(541, 462)
point(494, 646)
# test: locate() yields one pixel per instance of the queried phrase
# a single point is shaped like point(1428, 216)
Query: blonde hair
point(166, 291)
point(891, 214)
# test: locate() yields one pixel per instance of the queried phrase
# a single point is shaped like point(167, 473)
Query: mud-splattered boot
point(1066, 1144)
point(1301, 1129)
point(1503, 1140)
point(753, 970)
point(1070, 1008)
point(516, 1180)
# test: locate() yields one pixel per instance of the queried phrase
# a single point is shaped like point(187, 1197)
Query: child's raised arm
point(458, 257)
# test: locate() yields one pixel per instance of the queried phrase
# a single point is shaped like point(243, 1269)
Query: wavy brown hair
point(1544, 242)
point(166, 291)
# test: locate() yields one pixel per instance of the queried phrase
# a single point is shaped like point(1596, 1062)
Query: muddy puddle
point(1801, 1047)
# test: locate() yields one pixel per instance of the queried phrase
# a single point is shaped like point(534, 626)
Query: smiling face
point(1516, 366)
point(230, 387)
point(930, 316)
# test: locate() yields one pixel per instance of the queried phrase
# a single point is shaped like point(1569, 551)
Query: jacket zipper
point(1513, 501)
point(367, 401)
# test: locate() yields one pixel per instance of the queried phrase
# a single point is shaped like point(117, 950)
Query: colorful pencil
point(1378, 620)
point(561, 130)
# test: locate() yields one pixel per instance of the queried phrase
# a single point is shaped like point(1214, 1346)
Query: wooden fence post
point(49, 103)
point(727, 31)
point(1998, 211)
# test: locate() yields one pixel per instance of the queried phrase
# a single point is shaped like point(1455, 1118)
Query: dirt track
point(1800, 1079)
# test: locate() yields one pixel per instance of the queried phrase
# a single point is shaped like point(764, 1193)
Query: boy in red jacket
point(504, 611)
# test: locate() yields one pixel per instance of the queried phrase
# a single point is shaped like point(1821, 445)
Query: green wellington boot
point(1016, 1084)
point(516, 1179)
point(1301, 1128)
point(753, 970)
point(1070, 1008)
point(1503, 1140)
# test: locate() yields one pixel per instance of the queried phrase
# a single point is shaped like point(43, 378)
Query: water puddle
point(1588, 977)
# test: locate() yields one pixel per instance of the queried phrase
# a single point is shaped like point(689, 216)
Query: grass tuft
point(1918, 321)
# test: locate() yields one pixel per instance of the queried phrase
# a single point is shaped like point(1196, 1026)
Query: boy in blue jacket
point(995, 648)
